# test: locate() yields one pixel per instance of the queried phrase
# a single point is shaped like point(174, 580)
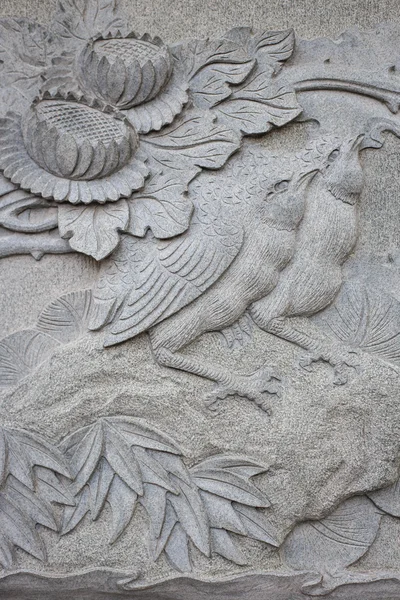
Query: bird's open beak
point(305, 179)
point(357, 141)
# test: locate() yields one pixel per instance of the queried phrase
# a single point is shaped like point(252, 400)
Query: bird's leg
point(255, 387)
point(304, 333)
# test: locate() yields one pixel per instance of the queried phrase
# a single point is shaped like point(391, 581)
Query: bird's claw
point(341, 362)
point(255, 387)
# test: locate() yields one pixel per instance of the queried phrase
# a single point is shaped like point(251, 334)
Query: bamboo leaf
point(121, 459)
point(257, 526)
point(18, 530)
point(221, 513)
point(30, 504)
point(99, 486)
point(51, 489)
point(123, 502)
point(230, 486)
point(222, 543)
point(177, 549)
point(86, 456)
point(191, 514)
point(154, 500)
point(137, 433)
point(73, 515)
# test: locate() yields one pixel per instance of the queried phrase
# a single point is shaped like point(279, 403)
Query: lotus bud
point(125, 72)
point(76, 141)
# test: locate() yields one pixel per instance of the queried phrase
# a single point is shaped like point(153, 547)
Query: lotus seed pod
point(77, 142)
point(125, 72)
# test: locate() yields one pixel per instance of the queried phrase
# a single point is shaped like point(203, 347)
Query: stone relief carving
point(144, 156)
point(63, 321)
point(122, 461)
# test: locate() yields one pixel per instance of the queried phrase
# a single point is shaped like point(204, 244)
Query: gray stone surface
point(200, 306)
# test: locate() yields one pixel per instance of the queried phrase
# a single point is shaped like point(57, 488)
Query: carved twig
point(389, 97)
point(36, 244)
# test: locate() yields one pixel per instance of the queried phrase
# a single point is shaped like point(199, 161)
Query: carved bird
point(276, 251)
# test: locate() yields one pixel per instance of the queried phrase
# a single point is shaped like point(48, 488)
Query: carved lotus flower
point(69, 151)
point(125, 71)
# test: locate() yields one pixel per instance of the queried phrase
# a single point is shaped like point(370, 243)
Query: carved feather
point(149, 280)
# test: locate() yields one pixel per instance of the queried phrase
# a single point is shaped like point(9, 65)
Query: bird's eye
point(333, 155)
point(281, 186)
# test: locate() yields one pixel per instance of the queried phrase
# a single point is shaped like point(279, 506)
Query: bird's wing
point(149, 280)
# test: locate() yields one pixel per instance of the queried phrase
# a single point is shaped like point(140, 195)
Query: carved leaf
point(26, 450)
point(17, 530)
point(50, 487)
point(388, 499)
point(11, 96)
point(117, 451)
point(66, 318)
point(152, 470)
point(117, 460)
point(190, 512)
point(234, 464)
point(258, 106)
point(157, 544)
point(176, 517)
point(366, 319)
point(230, 486)
point(123, 502)
point(99, 487)
point(28, 461)
point(25, 49)
point(73, 515)
point(6, 553)
point(256, 525)
point(196, 140)
point(30, 504)
point(61, 77)
point(154, 501)
point(21, 352)
point(335, 542)
point(162, 207)
point(210, 86)
point(222, 514)
point(84, 450)
point(93, 230)
point(177, 549)
point(195, 55)
point(83, 19)
point(138, 433)
point(231, 503)
point(174, 465)
point(278, 45)
point(223, 545)
point(222, 480)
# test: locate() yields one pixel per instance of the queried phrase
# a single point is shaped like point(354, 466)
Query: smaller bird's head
point(342, 172)
point(290, 186)
point(286, 199)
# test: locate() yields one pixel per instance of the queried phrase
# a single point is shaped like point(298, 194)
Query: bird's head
point(342, 172)
point(287, 188)
point(286, 199)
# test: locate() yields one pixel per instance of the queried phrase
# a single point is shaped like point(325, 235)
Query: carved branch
point(389, 97)
point(36, 244)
